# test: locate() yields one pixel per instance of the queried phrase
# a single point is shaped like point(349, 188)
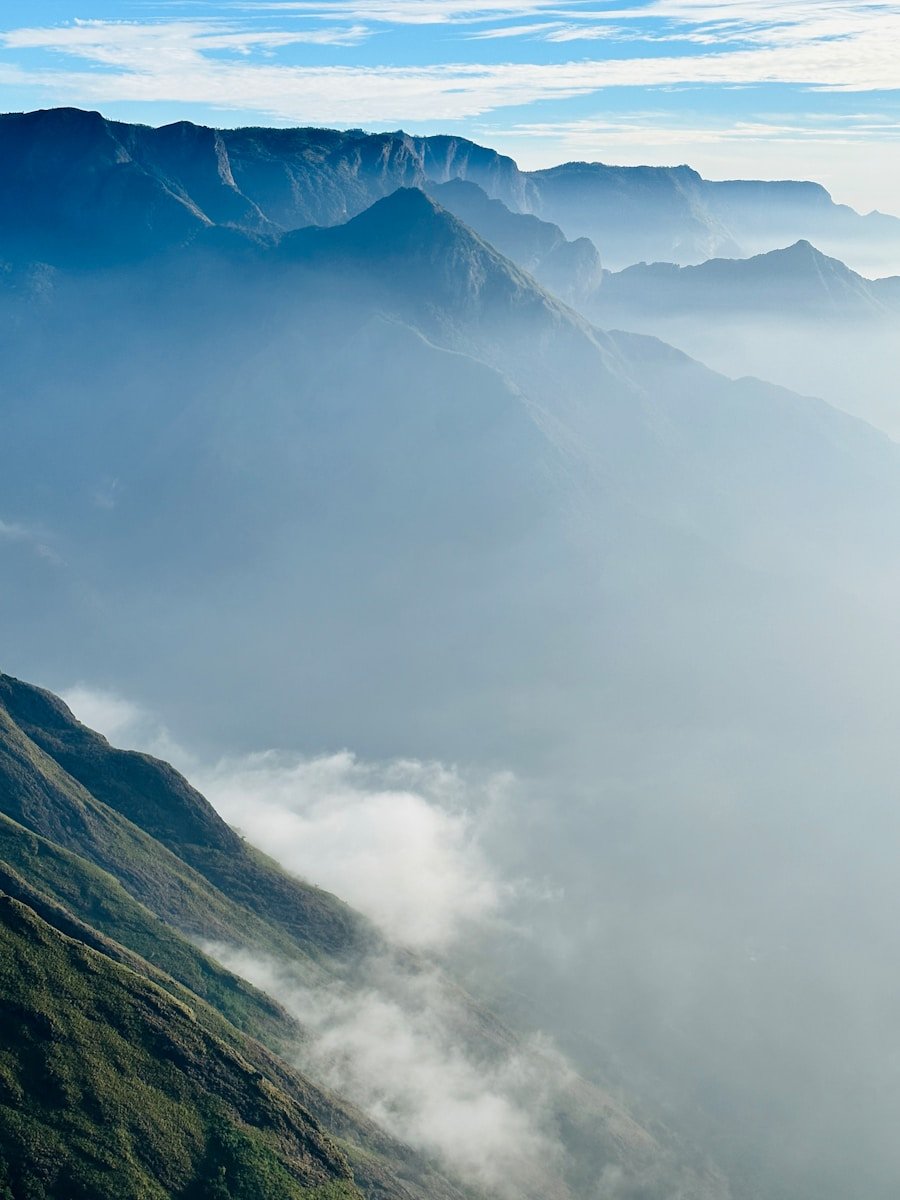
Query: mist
point(848, 361)
point(399, 1051)
point(569, 662)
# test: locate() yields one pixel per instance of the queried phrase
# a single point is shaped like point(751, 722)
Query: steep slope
point(98, 899)
point(91, 907)
point(152, 796)
point(88, 905)
point(46, 800)
point(112, 1088)
point(133, 908)
point(570, 269)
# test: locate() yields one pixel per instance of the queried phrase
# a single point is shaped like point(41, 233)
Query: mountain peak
point(407, 219)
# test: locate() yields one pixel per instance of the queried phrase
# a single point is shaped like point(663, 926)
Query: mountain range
point(305, 446)
point(71, 179)
point(227, 401)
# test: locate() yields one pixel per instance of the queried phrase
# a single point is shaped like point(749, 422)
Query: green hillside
point(109, 1087)
point(155, 798)
point(98, 878)
point(114, 857)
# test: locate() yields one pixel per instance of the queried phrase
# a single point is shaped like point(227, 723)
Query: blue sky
point(797, 88)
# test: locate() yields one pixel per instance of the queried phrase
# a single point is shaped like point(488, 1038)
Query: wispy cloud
point(12, 531)
point(406, 1050)
point(841, 47)
point(15, 532)
point(514, 31)
point(411, 12)
point(173, 45)
point(659, 128)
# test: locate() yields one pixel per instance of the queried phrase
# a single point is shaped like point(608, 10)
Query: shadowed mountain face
point(569, 269)
point(79, 189)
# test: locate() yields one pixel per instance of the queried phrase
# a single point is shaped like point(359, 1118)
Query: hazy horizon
point(805, 89)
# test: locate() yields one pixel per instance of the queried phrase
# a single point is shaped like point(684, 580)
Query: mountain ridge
point(797, 279)
point(186, 177)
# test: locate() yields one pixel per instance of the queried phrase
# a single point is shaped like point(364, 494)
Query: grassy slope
point(100, 901)
point(155, 797)
point(378, 1161)
point(110, 1087)
point(231, 893)
point(112, 881)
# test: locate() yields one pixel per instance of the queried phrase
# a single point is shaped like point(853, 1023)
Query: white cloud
point(659, 129)
point(397, 841)
point(844, 48)
point(104, 712)
point(27, 535)
point(12, 531)
point(513, 31)
point(405, 1049)
point(163, 46)
point(128, 725)
point(409, 12)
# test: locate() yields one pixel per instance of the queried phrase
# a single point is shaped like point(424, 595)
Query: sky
point(736, 88)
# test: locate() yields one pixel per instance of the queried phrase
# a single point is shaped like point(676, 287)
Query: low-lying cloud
point(397, 1047)
point(400, 841)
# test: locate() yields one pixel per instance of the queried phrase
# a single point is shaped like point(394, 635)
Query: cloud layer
point(398, 1048)
point(398, 840)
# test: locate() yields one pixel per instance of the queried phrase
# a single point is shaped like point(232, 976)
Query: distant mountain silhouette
point(80, 189)
point(798, 281)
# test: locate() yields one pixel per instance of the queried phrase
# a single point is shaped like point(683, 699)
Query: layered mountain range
point(78, 187)
point(305, 445)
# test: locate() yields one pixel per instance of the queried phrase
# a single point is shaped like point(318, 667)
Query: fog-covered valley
point(567, 660)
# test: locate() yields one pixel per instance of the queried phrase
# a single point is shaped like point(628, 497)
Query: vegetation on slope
point(109, 1087)
point(154, 797)
point(114, 888)
point(72, 851)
